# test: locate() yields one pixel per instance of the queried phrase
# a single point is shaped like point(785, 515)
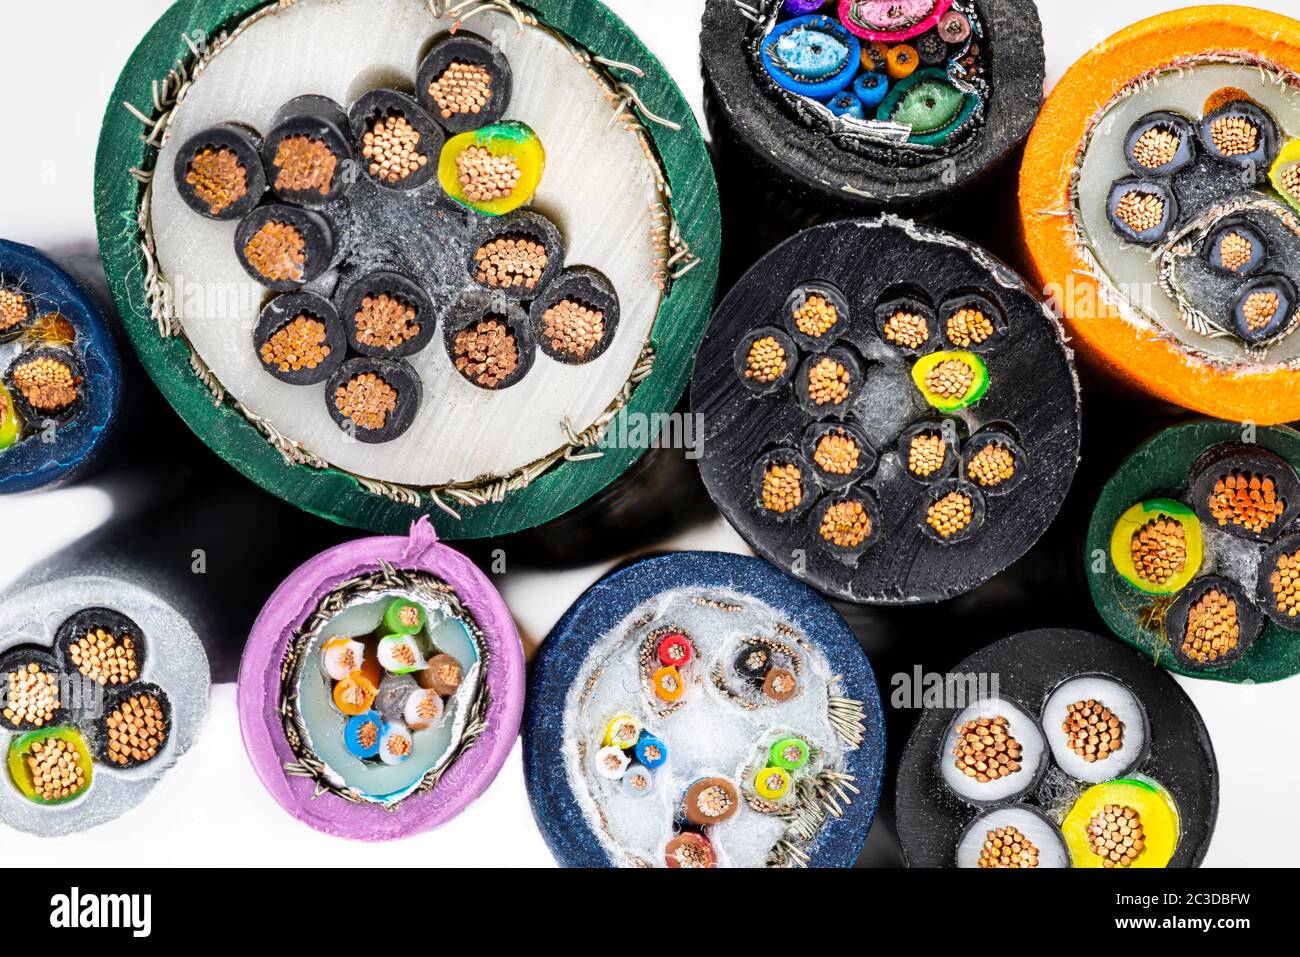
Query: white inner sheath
point(597, 187)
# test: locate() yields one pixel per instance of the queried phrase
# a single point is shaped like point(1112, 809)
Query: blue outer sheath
point(565, 827)
point(80, 444)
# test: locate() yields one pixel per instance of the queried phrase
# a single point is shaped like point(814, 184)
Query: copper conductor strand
point(447, 671)
point(1115, 834)
point(906, 329)
point(278, 251)
point(969, 326)
point(298, 344)
point(691, 854)
point(217, 177)
point(573, 327)
point(366, 400)
point(486, 352)
point(104, 658)
point(1235, 250)
point(1156, 147)
point(47, 384)
point(392, 146)
point(1140, 211)
point(1234, 135)
point(486, 176)
point(845, 524)
point(950, 379)
point(714, 801)
point(404, 655)
point(1246, 499)
point(385, 321)
point(426, 709)
point(13, 308)
point(399, 745)
point(55, 769)
point(950, 514)
point(985, 749)
point(782, 489)
point(815, 315)
point(1285, 581)
point(53, 329)
point(305, 164)
point(461, 88)
point(1291, 180)
point(137, 729)
point(510, 261)
point(32, 696)
point(1213, 629)
point(1092, 730)
point(992, 465)
point(828, 382)
point(1259, 309)
point(925, 453)
point(766, 361)
point(837, 453)
point(368, 734)
point(1159, 549)
point(1007, 847)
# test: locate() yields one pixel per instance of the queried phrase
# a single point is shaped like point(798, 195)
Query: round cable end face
point(400, 674)
point(494, 169)
point(516, 254)
point(299, 338)
point(396, 141)
point(474, 204)
point(464, 82)
point(1085, 757)
point(619, 769)
point(575, 317)
point(284, 247)
point(374, 400)
point(1168, 241)
point(1129, 822)
point(890, 440)
point(308, 151)
point(489, 341)
point(1199, 533)
point(219, 172)
point(99, 702)
point(868, 105)
point(60, 374)
point(387, 315)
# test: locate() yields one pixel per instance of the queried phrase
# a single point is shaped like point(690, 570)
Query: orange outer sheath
point(1153, 365)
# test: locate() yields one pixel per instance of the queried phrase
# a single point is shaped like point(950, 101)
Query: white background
point(66, 54)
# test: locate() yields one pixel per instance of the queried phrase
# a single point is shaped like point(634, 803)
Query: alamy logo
point(932, 689)
point(74, 910)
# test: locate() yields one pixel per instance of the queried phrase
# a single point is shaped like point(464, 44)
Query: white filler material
point(1041, 833)
point(1121, 702)
point(1021, 727)
point(1133, 270)
point(597, 187)
point(709, 735)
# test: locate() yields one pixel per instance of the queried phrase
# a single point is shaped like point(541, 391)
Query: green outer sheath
point(333, 494)
point(1159, 468)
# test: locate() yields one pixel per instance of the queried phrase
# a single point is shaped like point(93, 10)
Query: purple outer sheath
point(797, 8)
point(259, 684)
